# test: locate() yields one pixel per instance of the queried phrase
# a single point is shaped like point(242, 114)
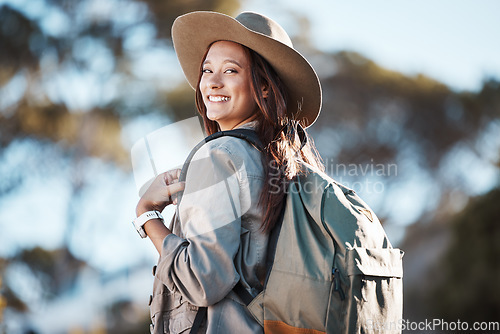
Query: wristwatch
point(143, 219)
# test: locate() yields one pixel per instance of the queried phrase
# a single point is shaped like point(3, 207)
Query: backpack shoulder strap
point(246, 134)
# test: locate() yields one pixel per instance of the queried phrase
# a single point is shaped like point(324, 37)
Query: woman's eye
point(228, 71)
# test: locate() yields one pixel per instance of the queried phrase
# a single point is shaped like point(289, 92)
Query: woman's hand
point(159, 194)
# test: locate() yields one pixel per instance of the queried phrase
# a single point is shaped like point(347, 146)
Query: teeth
point(218, 98)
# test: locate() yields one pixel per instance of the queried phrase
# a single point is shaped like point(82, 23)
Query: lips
point(218, 98)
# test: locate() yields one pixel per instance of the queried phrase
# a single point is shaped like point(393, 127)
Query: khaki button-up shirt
point(217, 242)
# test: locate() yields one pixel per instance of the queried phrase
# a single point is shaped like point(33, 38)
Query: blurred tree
point(7, 297)
point(27, 110)
point(123, 318)
point(56, 269)
point(165, 12)
point(466, 278)
point(70, 74)
point(387, 112)
point(16, 30)
point(372, 115)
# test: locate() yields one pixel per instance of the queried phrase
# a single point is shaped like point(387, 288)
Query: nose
point(214, 81)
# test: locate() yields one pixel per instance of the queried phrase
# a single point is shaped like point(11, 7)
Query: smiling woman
point(247, 76)
point(226, 85)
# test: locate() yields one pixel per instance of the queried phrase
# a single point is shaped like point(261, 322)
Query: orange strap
point(279, 327)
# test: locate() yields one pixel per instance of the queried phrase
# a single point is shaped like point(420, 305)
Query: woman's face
point(226, 85)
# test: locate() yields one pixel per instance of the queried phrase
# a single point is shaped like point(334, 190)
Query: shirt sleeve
point(201, 265)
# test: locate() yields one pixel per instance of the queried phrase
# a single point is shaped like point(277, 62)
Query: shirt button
point(154, 270)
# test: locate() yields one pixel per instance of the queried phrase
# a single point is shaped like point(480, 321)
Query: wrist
point(145, 217)
point(142, 207)
point(140, 211)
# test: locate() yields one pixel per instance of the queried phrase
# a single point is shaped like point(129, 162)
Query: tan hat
point(193, 33)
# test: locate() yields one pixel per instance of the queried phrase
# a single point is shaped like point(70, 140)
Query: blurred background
point(410, 120)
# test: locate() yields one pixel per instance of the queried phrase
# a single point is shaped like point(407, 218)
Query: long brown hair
point(284, 149)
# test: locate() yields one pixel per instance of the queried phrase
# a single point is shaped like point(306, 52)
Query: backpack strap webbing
point(198, 320)
point(243, 293)
point(247, 134)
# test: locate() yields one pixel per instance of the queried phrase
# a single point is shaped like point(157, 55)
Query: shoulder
point(231, 152)
point(233, 148)
point(236, 146)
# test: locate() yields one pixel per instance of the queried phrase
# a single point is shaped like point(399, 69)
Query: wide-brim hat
point(194, 32)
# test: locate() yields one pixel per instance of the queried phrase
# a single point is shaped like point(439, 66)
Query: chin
point(213, 116)
point(214, 119)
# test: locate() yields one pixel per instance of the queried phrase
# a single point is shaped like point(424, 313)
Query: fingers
point(160, 192)
point(171, 176)
point(174, 188)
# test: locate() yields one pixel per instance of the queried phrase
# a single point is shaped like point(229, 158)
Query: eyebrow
point(232, 61)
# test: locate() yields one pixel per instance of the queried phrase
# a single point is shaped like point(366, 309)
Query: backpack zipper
point(336, 283)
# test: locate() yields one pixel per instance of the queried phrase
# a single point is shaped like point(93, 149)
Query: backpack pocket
point(375, 300)
point(384, 262)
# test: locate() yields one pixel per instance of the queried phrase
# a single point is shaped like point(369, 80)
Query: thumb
point(174, 188)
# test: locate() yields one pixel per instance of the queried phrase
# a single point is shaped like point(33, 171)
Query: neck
point(225, 127)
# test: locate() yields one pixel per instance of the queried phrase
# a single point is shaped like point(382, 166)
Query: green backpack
point(332, 268)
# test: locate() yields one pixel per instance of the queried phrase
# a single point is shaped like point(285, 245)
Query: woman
point(246, 75)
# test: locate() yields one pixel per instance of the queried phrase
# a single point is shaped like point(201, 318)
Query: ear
point(265, 90)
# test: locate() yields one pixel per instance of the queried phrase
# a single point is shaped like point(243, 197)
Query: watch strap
point(143, 219)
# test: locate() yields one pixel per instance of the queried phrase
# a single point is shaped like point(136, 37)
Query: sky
point(454, 41)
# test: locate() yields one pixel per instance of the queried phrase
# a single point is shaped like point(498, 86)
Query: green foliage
point(34, 55)
point(387, 112)
point(9, 299)
point(165, 12)
point(55, 68)
point(124, 317)
point(182, 102)
point(470, 271)
point(95, 133)
point(56, 269)
point(16, 30)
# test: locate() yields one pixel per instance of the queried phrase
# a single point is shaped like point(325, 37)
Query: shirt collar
point(252, 125)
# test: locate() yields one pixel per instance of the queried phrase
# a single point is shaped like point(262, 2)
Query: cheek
point(245, 90)
point(249, 96)
point(202, 92)
point(201, 85)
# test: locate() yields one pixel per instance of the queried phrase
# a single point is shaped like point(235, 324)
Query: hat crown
point(264, 25)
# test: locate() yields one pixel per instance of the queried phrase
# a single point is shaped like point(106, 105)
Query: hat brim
point(193, 33)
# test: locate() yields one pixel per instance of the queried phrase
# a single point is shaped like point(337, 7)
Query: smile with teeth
point(212, 98)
